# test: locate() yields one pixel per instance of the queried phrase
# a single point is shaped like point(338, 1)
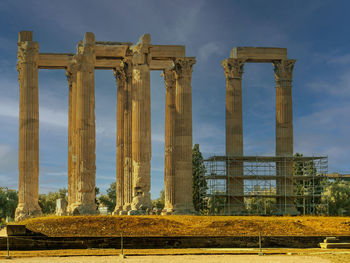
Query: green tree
point(307, 189)
point(159, 202)
point(47, 202)
point(200, 186)
point(261, 205)
point(8, 203)
point(337, 195)
point(109, 199)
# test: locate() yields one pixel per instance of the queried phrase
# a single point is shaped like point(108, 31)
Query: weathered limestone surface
point(71, 74)
point(259, 54)
point(141, 125)
point(284, 132)
point(233, 69)
point(28, 155)
point(128, 182)
point(170, 154)
point(183, 136)
point(120, 77)
point(132, 65)
point(85, 126)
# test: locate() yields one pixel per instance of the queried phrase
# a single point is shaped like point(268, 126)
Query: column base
point(184, 210)
point(141, 202)
point(24, 211)
point(117, 210)
point(167, 211)
point(84, 209)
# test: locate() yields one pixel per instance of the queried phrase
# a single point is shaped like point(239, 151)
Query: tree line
point(336, 193)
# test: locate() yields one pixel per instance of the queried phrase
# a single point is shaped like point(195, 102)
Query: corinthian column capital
point(284, 69)
point(183, 67)
point(27, 53)
point(169, 78)
point(71, 73)
point(233, 68)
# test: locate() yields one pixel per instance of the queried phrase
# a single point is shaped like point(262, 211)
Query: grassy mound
point(94, 226)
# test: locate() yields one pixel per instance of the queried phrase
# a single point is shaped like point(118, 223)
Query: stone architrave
point(121, 82)
point(141, 126)
point(28, 155)
point(233, 69)
point(170, 115)
point(85, 126)
point(183, 203)
point(284, 133)
point(71, 74)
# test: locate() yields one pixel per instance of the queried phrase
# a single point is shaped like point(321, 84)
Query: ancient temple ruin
point(131, 65)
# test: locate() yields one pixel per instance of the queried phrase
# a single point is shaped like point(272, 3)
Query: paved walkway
point(181, 259)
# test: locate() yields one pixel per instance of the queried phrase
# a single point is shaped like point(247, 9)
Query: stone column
point(128, 186)
point(141, 127)
point(28, 155)
point(170, 115)
point(71, 74)
point(120, 77)
point(234, 135)
point(85, 125)
point(284, 135)
point(183, 136)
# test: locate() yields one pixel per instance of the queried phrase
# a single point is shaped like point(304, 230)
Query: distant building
point(342, 177)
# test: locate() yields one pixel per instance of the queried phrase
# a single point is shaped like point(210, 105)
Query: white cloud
point(208, 50)
point(339, 86)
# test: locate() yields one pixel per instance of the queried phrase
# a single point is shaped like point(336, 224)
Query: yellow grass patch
point(176, 225)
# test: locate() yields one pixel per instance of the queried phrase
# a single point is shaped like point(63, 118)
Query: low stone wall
point(43, 243)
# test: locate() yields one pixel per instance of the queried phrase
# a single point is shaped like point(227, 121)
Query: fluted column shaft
point(127, 65)
point(71, 74)
point(183, 136)
point(120, 76)
point(284, 133)
point(141, 125)
point(233, 69)
point(141, 137)
point(28, 157)
point(85, 125)
point(170, 115)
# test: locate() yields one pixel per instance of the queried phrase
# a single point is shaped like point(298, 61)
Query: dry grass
point(110, 226)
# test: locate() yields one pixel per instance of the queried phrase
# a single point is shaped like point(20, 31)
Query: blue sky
point(316, 33)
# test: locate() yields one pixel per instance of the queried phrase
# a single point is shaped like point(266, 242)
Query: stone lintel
point(259, 54)
point(113, 43)
point(62, 61)
point(111, 50)
point(25, 36)
point(54, 61)
point(167, 51)
point(161, 64)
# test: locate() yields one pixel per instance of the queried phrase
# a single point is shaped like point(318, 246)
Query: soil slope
point(94, 226)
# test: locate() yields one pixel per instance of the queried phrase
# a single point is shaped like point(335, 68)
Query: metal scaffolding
point(266, 185)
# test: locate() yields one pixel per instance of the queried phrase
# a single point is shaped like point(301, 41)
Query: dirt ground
point(181, 255)
point(108, 226)
point(183, 259)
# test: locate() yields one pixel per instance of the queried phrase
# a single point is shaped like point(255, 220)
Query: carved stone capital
point(27, 53)
point(284, 70)
point(169, 78)
point(142, 51)
point(119, 74)
point(233, 68)
point(183, 67)
point(71, 73)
